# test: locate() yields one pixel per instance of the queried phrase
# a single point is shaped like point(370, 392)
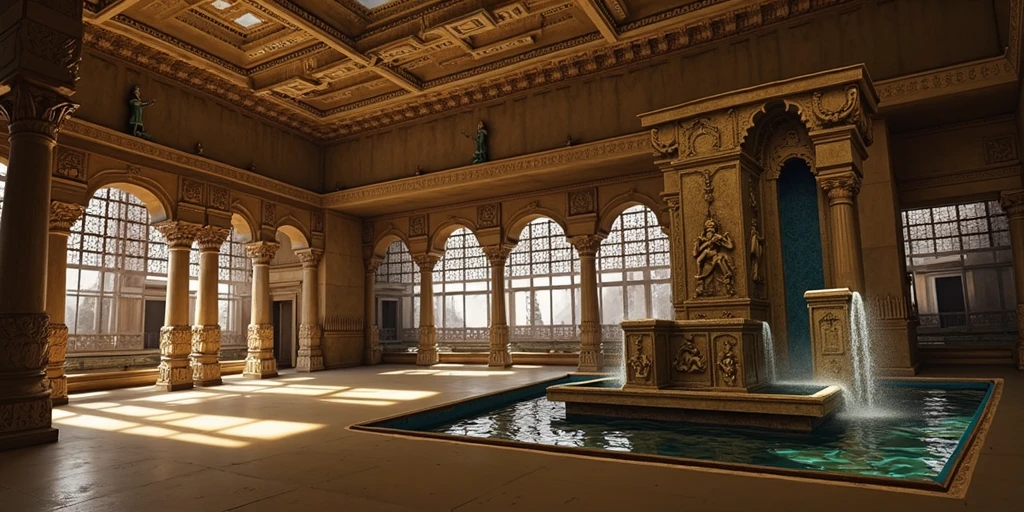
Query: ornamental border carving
point(581, 202)
point(71, 164)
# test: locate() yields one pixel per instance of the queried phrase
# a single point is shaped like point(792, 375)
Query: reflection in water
point(915, 444)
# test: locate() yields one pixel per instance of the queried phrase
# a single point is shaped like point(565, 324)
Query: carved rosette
point(179, 235)
point(426, 354)
point(210, 238)
point(204, 357)
point(259, 359)
point(310, 358)
point(586, 245)
point(841, 188)
point(29, 108)
point(591, 358)
point(63, 216)
point(499, 356)
point(174, 372)
point(261, 253)
point(310, 257)
point(58, 338)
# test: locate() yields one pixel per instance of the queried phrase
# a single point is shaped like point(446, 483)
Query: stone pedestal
point(718, 355)
point(311, 358)
point(831, 349)
point(259, 361)
point(175, 372)
point(205, 354)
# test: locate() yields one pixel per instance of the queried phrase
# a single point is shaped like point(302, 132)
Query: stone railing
point(104, 342)
point(991, 321)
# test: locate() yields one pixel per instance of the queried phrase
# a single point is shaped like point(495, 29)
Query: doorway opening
point(284, 339)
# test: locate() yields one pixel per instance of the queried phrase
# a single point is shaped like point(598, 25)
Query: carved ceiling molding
point(979, 74)
point(82, 129)
point(988, 172)
point(629, 145)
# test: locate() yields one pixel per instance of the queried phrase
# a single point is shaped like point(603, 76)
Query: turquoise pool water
point(915, 439)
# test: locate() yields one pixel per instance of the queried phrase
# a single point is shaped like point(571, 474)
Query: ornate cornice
point(123, 141)
point(990, 172)
point(949, 80)
point(629, 145)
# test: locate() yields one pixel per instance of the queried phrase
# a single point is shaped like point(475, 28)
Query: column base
point(175, 372)
point(372, 355)
point(58, 337)
point(426, 354)
point(591, 358)
point(205, 349)
point(259, 361)
point(427, 357)
point(310, 357)
point(500, 358)
point(26, 438)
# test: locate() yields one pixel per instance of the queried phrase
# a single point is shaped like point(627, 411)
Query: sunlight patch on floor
point(451, 373)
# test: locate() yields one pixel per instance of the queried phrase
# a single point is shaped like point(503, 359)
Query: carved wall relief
point(728, 361)
point(711, 252)
point(582, 202)
point(418, 225)
point(702, 138)
point(487, 216)
point(831, 332)
point(71, 164)
point(756, 242)
point(664, 145)
point(689, 358)
point(640, 363)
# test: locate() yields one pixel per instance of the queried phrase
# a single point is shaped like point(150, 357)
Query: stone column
point(176, 334)
point(62, 217)
point(1013, 205)
point(373, 352)
point(500, 356)
point(206, 331)
point(311, 358)
point(259, 361)
point(427, 353)
point(847, 266)
point(591, 358)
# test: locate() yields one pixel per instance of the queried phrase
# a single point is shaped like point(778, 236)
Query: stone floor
point(282, 444)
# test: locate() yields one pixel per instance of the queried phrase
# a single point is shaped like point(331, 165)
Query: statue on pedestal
point(480, 155)
point(135, 123)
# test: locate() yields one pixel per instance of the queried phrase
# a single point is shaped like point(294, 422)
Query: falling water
point(860, 344)
point(769, 352)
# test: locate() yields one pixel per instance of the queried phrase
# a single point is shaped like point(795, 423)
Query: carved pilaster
point(63, 216)
point(259, 360)
point(211, 238)
point(311, 358)
point(1012, 202)
point(840, 188)
point(205, 351)
point(58, 339)
point(175, 347)
point(262, 253)
point(178, 234)
point(499, 354)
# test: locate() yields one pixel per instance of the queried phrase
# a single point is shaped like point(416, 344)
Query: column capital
point(586, 245)
point(425, 261)
point(497, 254)
point(178, 234)
point(211, 238)
point(1012, 202)
point(32, 108)
point(262, 253)
point(63, 216)
point(840, 186)
point(373, 264)
point(310, 257)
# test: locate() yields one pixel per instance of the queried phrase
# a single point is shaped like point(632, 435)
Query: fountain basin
point(794, 408)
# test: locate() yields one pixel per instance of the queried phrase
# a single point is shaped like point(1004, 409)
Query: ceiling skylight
point(370, 4)
point(221, 4)
point(248, 20)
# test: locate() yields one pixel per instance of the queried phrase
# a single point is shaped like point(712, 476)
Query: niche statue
point(714, 266)
point(135, 123)
point(480, 154)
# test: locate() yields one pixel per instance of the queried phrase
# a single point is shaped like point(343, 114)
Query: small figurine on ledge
point(419, 171)
point(480, 155)
point(199, 148)
point(568, 140)
point(135, 123)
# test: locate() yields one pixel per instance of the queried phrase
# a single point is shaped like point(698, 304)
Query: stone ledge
point(102, 381)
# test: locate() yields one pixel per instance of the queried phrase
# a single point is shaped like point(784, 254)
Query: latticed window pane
point(544, 310)
point(637, 244)
point(954, 228)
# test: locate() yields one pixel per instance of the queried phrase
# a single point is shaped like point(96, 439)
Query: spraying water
point(769, 352)
point(860, 345)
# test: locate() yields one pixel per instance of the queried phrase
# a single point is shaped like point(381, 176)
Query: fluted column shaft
point(591, 357)
point(311, 358)
point(176, 334)
point(62, 217)
point(500, 356)
point(1013, 205)
point(206, 330)
point(847, 260)
point(372, 353)
point(427, 353)
point(259, 359)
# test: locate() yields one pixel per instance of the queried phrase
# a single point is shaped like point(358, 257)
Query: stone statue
point(480, 155)
point(756, 251)
point(135, 123)
point(712, 262)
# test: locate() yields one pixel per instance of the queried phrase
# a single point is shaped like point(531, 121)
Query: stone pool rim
point(957, 471)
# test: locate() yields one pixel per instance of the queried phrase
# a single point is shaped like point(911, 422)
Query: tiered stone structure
point(259, 361)
point(206, 331)
point(176, 334)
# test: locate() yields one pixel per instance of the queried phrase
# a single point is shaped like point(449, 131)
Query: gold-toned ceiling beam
point(335, 39)
point(600, 18)
point(113, 9)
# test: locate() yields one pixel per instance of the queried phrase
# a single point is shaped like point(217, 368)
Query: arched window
point(397, 292)
point(233, 293)
point(634, 273)
point(3, 184)
point(543, 281)
point(462, 294)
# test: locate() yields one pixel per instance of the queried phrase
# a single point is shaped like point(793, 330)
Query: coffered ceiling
point(335, 68)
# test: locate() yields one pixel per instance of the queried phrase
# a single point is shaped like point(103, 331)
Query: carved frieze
point(418, 225)
point(702, 138)
point(689, 358)
point(1000, 149)
point(639, 363)
point(712, 252)
point(71, 164)
point(666, 144)
point(582, 202)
